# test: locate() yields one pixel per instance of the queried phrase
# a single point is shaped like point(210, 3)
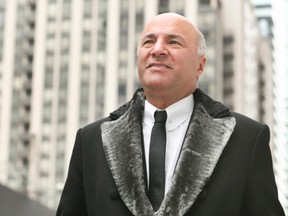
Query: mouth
point(158, 65)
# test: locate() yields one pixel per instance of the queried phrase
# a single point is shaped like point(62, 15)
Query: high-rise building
point(240, 44)
point(17, 42)
point(210, 23)
point(280, 97)
point(272, 17)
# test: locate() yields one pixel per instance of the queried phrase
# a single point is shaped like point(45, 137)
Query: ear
point(201, 66)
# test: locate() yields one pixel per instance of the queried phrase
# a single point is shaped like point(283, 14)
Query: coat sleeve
point(261, 197)
point(72, 202)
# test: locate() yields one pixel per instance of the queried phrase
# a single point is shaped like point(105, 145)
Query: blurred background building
point(66, 63)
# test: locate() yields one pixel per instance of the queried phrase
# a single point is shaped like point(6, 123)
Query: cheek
point(188, 72)
point(141, 64)
point(141, 69)
point(191, 64)
point(143, 54)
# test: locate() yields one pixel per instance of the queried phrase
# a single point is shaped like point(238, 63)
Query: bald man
point(216, 163)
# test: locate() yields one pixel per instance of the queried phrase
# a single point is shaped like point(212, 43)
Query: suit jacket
point(224, 168)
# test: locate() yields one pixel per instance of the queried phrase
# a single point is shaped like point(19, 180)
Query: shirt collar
point(177, 113)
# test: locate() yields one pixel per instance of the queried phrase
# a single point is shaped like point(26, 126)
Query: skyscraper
point(17, 42)
point(272, 18)
point(240, 30)
point(280, 97)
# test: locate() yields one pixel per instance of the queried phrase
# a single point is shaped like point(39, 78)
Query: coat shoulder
point(92, 131)
point(245, 121)
point(94, 125)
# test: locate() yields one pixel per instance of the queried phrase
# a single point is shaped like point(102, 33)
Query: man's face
point(167, 57)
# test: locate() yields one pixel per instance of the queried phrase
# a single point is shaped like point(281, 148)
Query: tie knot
point(160, 116)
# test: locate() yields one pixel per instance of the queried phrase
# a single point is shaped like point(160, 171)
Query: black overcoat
point(224, 168)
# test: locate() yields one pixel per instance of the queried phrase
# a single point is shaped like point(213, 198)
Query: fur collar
point(209, 131)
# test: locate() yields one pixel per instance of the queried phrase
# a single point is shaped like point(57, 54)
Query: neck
point(164, 101)
point(160, 104)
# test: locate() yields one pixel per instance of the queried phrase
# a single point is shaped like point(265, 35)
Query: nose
point(159, 49)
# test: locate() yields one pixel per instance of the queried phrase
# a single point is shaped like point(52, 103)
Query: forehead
point(171, 27)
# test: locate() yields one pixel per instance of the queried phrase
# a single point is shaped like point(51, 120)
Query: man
point(217, 163)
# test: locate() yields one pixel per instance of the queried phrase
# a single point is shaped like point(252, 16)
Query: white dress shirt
point(178, 117)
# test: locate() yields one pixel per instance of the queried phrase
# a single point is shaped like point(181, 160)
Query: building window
point(204, 2)
point(163, 6)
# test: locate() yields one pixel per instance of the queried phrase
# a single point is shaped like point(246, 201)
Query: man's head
point(171, 58)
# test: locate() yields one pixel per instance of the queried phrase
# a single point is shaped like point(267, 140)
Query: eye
point(173, 42)
point(147, 42)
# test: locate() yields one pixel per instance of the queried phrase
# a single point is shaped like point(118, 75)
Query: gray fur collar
point(209, 131)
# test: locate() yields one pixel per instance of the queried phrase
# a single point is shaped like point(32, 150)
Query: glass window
point(204, 2)
point(66, 10)
point(88, 8)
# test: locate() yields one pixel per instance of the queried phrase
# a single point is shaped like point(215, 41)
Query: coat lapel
point(122, 145)
point(205, 140)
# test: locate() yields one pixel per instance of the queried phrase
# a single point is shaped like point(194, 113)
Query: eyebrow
point(170, 36)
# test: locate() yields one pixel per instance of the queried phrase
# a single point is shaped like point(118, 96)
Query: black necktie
point(157, 160)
